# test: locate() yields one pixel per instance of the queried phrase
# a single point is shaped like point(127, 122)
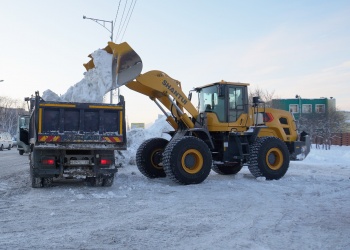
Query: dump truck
point(74, 140)
point(222, 133)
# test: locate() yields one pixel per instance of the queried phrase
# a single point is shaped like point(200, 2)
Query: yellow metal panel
point(40, 120)
point(121, 123)
point(57, 105)
point(105, 107)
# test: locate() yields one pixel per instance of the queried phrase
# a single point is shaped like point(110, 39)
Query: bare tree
point(9, 111)
point(265, 95)
point(322, 126)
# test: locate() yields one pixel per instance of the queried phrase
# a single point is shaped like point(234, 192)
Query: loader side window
point(209, 101)
point(236, 107)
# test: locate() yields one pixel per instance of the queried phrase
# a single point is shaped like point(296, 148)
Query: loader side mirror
point(256, 101)
point(190, 95)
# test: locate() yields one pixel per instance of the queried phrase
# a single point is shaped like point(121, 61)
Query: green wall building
point(300, 106)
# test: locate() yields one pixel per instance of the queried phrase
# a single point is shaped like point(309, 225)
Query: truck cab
point(23, 134)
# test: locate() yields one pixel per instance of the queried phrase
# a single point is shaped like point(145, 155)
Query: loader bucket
point(126, 63)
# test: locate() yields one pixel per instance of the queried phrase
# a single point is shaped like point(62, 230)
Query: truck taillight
point(268, 117)
point(48, 161)
point(106, 161)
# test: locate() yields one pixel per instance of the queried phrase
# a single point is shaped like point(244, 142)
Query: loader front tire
point(187, 160)
point(269, 158)
point(226, 169)
point(149, 157)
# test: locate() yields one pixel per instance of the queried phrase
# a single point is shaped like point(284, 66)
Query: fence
point(340, 139)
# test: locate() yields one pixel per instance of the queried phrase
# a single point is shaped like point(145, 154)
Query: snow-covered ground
point(306, 209)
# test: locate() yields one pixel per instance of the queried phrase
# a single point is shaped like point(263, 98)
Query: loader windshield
point(209, 101)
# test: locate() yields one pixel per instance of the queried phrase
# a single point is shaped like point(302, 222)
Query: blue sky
point(290, 47)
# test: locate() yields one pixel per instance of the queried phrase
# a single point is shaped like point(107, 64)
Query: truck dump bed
point(80, 126)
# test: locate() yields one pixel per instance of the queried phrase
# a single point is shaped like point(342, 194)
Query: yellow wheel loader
point(223, 133)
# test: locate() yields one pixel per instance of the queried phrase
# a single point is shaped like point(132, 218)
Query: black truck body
point(75, 140)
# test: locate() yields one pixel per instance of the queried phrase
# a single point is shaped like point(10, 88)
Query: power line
point(126, 17)
point(116, 38)
point(115, 19)
point(128, 20)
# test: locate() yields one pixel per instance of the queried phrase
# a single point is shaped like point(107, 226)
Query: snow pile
point(138, 135)
point(95, 84)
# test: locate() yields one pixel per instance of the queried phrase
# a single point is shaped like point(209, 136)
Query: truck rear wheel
point(95, 181)
point(21, 152)
point(36, 181)
point(269, 158)
point(187, 160)
point(227, 169)
point(108, 181)
point(149, 157)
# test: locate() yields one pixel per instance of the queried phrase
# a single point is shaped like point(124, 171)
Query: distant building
point(137, 125)
point(303, 106)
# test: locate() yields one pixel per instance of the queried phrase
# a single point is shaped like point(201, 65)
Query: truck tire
point(47, 181)
point(269, 158)
point(226, 169)
point(9, 148)
point(187, 160)
point(149, 157)
point(1, 147)
point(36, 181)
point(21, 152)
point(95, 181)
point(108, 181)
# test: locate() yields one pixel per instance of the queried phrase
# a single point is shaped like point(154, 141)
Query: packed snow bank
point(138, 135)
point(95, 84)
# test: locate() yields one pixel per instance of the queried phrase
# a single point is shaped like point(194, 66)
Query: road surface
point(11, 162)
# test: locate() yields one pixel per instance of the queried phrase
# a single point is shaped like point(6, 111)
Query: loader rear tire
point(226, 169)
point(187, 160)
point(149, 157)
point(269, 158)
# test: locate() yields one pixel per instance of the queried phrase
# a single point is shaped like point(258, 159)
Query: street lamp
point(103, 24)
point(299, 97)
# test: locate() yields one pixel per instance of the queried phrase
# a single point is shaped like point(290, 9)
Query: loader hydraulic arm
point(166, 90)
point(126, 66)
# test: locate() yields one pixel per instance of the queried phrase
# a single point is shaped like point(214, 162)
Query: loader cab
point(227, 100)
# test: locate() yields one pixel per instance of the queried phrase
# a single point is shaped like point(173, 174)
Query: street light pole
point(299, 97)
point(102, 23)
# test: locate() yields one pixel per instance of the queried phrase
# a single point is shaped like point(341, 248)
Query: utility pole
point(299, 97)
point(103, 24)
